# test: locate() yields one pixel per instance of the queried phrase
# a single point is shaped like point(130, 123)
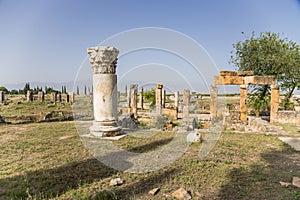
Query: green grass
point(48, 160)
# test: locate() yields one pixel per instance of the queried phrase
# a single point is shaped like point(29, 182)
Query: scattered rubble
point(181, 194)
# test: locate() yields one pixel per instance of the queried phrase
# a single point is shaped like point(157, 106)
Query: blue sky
point(46, 41)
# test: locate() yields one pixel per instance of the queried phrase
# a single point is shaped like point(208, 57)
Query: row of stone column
point(54, 97)
point(160, 96)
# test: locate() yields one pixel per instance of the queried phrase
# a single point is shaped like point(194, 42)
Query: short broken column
point(158, 98)
point(274, 103)
point(2, 98)
point(213, 101)
point(41, 96)
point(71, 97)
point(176, 99)
point(133, 99)
point(186, 103)
point(53, 97)
point(29, 95)
point(243, 102)
point(104, 60)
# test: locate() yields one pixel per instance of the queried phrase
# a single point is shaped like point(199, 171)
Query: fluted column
point(104, 61)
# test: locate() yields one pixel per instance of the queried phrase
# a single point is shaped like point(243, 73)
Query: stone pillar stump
point(243, 102)
point(274, 103)
point(158, 98)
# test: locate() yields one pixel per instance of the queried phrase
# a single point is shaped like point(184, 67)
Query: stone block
point(245, 73)
point(172, 114)
point(231, 80)
point(228, 73)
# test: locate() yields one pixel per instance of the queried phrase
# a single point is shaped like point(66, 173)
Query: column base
point(105, 129)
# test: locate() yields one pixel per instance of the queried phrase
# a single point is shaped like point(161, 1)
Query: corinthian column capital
point(103, 59)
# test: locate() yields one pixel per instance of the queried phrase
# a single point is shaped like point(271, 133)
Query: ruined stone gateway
point(244, 79)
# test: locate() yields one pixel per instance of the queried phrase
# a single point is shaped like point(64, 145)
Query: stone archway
point(244, 79)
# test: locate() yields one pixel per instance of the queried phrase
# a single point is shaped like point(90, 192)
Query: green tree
point(4, 89)
point(269, 54)
point(150, 96)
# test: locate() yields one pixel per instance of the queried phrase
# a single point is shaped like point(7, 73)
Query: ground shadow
point(53, 182)
point(262, 181)
point(43, 184)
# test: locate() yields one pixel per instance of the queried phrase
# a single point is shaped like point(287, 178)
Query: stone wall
point(288, 117)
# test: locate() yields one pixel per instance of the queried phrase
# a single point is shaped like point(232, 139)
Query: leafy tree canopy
point(269, 54)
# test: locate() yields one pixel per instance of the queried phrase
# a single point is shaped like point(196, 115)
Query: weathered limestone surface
point(274, 103)
point(41, 96)
point(186, 103)
point(29, 95)
point(158, 98)
point(242, 78)
point(104, 60)
point(133, 99)
point(141, 99)
point(53, 97)
point(243, 102)
point(213, 101)
point(71, 97)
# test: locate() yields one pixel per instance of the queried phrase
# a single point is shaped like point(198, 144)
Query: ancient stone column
point(141, 99)
point(274, 103)
point(71, 97)
point(41, 96)
point(53, 97)
point(29, 95)
point(2, 98)
point(243, 102)
point(213, 101)
point(176, 103)
point(164, 99)
point(186, 103)
point(158, 98)
point(67, 98)
point(104, 61)
point(133, 99)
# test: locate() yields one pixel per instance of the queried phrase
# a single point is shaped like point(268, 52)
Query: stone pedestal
point(213, 101)
point(158, 98)
point(41, 96)
point(29, 95)
point(243, 102)
point(2, 98)
point(274, 103)
point(104, 60)
point(186, 103)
